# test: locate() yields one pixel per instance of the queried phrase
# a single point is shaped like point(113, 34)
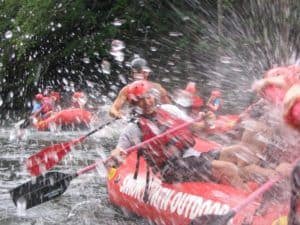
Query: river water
point(85, 200)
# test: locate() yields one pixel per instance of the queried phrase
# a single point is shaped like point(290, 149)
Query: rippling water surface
point(85, 200)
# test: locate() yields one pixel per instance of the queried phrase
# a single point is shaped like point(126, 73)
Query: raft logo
point(111, 173)
point(161, 198)
point(283, 220)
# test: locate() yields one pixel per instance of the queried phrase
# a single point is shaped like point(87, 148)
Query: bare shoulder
point(123, 92)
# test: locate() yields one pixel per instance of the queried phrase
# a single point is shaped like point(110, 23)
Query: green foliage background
point(51, 34)
point(50, 39)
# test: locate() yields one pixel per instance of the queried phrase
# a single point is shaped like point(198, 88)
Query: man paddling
point(171, 157)
point(140, 71)
point(79, 100)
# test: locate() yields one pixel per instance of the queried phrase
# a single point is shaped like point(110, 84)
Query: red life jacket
point(47, 105)
point(159, 151)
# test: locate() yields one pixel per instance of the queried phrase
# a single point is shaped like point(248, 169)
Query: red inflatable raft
point(182, 203)
point(67, 118)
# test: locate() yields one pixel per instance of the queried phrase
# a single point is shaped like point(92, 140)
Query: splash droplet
point(105, 66)
point(153, 49)
point(175, 34)
point(86, 60)
point(118, 22)
point(117, 45)
point(8, 34)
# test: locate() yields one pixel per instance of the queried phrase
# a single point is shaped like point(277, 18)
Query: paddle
point(212, 219)
point(26, 123)
point(51, 155)
point(51, 185)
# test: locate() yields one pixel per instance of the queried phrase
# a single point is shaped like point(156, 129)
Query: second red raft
point(70, 118)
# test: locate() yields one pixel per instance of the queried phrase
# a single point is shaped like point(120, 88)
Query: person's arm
point(212, 106)
point(115, 109)
point(128, 138)
point(37, 113)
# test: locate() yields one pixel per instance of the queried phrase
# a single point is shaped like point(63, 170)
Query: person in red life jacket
point(188, 99)
point(197, 101)
point(79, 100)
point(140, 71)
point(56, 97)
point(276, 82)
point(46, 109)
point(172, 157)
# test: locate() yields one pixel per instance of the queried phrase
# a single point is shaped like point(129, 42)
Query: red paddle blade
point(49, 157)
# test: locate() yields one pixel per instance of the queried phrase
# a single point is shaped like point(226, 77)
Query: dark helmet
point(139, 64)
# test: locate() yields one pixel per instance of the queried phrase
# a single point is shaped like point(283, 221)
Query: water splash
point(8, 34)
point(105, 66)
point(118, 22)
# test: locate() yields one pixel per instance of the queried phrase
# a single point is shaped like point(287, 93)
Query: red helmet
point(78, 94)
point(39, 97)
point(138, 89)
point(191, 87)
point(55, 94)
point(216, 93)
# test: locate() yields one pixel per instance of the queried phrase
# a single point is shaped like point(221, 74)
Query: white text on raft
point(184, 204)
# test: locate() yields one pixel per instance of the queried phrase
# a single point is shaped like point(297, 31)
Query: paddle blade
point(213, 219)
point(48, 157)
point(41, 189)
point(25, 124)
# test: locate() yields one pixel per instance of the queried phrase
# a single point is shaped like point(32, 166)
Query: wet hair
point(139, 64)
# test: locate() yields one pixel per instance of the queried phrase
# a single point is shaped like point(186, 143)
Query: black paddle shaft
point(41, 189)
point(213, 219)
point(26, 123)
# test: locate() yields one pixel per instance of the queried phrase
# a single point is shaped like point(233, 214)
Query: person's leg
point(227, 173)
